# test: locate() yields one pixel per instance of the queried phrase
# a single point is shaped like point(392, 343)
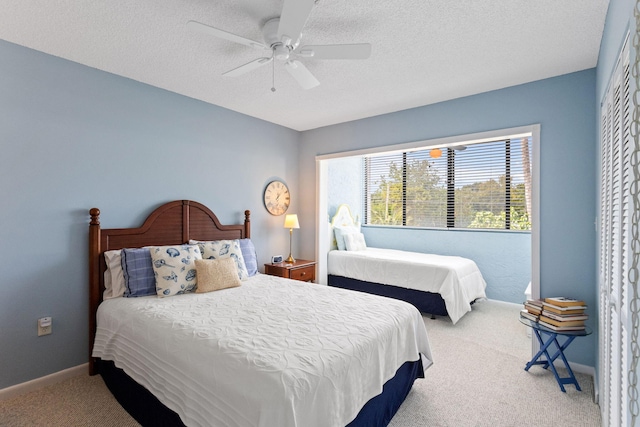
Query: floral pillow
point(218, 249)
point(174, 268)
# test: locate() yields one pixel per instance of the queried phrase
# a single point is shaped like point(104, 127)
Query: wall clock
point(277, 197)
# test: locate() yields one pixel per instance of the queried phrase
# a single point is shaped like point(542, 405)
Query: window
point(481, 185)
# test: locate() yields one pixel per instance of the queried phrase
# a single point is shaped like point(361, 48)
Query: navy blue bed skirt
point(426, 302)
point(379, 410)
point(145, 408)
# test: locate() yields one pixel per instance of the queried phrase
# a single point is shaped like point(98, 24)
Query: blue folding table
point(546, 337)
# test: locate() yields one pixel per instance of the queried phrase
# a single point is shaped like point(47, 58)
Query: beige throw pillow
point(216, 274)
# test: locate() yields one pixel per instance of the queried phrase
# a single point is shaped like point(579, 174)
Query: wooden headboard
point(173, 223)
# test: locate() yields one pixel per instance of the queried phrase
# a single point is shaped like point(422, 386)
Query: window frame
point(450, 151)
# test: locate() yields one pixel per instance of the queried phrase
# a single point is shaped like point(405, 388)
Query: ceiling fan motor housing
point(281, 48)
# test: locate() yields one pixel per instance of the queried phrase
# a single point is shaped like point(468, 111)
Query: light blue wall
point(565, 109)
point(72, 138)
point(619, 20)
point(344, 185)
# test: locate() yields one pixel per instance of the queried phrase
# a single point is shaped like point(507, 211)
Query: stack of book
point(532, 309)
point(563, 314)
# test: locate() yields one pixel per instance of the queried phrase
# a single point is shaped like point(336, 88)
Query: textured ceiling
point(423, 51)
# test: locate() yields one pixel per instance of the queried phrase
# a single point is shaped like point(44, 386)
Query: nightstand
point(301, 269)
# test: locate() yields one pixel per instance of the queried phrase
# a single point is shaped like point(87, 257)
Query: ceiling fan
point(282, 39)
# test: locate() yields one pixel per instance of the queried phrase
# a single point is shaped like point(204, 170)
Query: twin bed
point(435, 284)
point(270, 352)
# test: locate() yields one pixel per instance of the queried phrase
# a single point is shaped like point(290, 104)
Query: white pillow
point(355, 242)
point(114, 286)
point(175, 269)
point(218, 249)
point(340, 232)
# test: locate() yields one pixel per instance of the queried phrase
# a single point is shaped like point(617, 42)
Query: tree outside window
point(481, 186)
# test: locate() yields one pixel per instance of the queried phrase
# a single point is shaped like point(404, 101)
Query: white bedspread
point(458, 280)
point(272, 352)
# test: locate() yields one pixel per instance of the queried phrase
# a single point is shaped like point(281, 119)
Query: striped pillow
point(249, 255)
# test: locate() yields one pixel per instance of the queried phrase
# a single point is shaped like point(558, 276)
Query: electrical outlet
point(45, 325)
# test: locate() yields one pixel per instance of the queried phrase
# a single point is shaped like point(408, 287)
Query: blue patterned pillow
point(175, 269)
point(217, 249)
point(249, 255)
point(138, 274)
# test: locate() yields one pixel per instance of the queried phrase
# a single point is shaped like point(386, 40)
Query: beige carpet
point(478, 379)
point(80, 401)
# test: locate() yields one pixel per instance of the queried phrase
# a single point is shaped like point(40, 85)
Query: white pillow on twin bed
point(175, 268)
point(114, 286)
point(218, 249)
point(341, 232)
point(355, 242)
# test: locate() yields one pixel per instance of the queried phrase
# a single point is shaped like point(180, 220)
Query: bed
point(268, 352)
point(435, 284)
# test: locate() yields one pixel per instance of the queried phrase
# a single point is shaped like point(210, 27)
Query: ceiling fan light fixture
point(281, 52)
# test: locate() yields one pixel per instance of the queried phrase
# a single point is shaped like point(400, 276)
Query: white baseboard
point(26, 387)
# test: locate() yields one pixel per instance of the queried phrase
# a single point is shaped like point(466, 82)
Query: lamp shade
point(291, 221)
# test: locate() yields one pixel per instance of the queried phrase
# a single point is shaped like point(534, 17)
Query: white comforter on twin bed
point(272, 352)
point(458, 280)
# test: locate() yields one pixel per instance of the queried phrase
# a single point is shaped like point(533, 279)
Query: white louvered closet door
point(615, 246)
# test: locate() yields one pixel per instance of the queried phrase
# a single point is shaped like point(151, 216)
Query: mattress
point(270, 352)
point(458, 280)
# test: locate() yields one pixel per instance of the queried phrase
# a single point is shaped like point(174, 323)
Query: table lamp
point(291, 222)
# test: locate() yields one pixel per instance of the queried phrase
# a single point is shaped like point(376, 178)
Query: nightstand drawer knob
point(304, 273)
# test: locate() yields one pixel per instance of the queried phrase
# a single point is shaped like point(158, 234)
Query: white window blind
point(482, 185)
point(426, 190)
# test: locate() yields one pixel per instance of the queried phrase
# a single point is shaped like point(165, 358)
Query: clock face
point(277, 198)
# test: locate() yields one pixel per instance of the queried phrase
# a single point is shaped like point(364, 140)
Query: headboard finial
point(95, 216)
point(247, 223)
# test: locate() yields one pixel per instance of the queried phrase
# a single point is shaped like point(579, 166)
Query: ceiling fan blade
point(197, 26)
point(337, 51)
point(250, 66)
point(301, 74)
point(294, 16)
